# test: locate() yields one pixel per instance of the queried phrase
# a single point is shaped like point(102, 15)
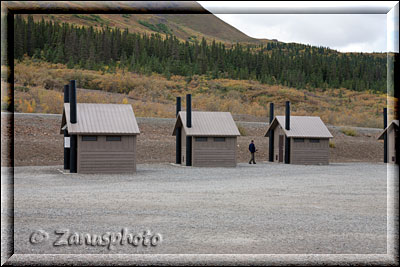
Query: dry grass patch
point(40, 86)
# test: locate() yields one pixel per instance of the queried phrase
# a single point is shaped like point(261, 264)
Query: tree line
point(290, 64)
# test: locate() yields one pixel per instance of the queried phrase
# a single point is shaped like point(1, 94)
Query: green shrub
point(349, 131)
point(332, 144)
point(242, 130)
point(22, 88)
point(90, 17)
point(160, 27)
point(149, 25)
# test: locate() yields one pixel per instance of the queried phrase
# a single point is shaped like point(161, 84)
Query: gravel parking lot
point(265, 208)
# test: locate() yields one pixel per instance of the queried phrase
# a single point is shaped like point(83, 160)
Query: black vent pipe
point(74, 139)
point(189, 110)
point(66, 93)
point(385, 139)
point(178, 105)
point(66, 135)
point(188, 151)
point(287, 127)
point(271, 133)
point(178, 134)
point(287, 117)
point(72, 101)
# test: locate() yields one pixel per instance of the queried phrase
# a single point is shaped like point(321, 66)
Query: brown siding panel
point(103, 156)
point(183, 153)
point(277, 132)
point(215, 154)
point(309, 153)
point(391, 145)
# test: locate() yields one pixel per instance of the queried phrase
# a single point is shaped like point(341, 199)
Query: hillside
point(161, 56)
point(293, 65)
point(186, 27)
point(39, 88)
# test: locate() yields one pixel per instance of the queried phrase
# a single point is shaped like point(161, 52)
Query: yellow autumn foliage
point(155, 96)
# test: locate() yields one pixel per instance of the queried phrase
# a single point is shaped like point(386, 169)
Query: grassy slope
point(154, 95)
point(183, 26)
point(338, 107)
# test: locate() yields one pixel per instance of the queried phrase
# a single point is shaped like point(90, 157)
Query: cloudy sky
point(343, 32)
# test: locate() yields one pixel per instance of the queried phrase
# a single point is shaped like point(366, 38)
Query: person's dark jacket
point(252, 148)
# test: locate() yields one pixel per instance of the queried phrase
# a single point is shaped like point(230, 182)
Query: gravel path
point(264, 208)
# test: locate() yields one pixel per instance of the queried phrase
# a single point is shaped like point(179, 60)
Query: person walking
point(252, 149)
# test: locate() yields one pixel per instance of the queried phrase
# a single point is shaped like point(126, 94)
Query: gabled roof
point(101, 119)
point(302, 127)
point(394, 123)
point(208, 124)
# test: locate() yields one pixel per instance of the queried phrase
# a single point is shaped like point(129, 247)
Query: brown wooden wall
point(302, 153)
point(214, 154)
point(309, 153)
point(277, 132)
point(391, 146)
point(183, 153)
point(103, 156)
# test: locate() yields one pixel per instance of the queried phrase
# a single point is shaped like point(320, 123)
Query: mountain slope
point(209, 25)
point(294, 65)
point(190, 27)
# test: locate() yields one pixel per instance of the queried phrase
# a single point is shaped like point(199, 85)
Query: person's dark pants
point(252, 158)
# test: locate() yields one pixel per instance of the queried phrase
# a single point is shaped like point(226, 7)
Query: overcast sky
point(343, 32)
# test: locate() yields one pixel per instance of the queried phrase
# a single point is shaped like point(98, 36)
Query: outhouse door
point(280, 148)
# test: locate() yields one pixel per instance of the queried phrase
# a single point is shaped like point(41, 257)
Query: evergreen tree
point(295, 65)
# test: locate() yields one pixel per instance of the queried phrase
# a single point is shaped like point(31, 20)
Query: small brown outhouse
point(101, 137)
point(206, 139)
point(212, 137)
point(299, 140)
point(391, 133)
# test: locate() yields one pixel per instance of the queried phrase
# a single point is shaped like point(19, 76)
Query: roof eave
point(382, 135)
point(301, 136)
point(178, 118)
point(270, 127)
point(393, 124)
point(213, 135)
point(100, 133)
